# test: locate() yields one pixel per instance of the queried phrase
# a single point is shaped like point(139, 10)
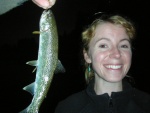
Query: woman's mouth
point(113, 66)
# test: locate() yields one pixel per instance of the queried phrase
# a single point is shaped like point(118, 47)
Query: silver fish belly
point(47, 61)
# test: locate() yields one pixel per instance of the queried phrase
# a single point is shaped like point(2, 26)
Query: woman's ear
point(86, 56)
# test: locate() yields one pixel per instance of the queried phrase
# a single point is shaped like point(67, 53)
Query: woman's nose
point(115, 53)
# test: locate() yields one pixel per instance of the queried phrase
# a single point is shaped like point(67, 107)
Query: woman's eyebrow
point(125, 39)
point(102, 39)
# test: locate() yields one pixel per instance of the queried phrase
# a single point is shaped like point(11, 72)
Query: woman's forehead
point(110, 31)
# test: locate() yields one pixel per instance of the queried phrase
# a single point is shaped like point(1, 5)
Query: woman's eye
point(124, 46)
point(103, 46)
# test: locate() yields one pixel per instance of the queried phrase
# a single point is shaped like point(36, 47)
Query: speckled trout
point(47, 63)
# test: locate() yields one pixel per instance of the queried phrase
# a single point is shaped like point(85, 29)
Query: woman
point(107, 53)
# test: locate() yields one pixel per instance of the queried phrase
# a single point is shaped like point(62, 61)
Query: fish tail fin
point(30, 88)
point(26, 110)
point(23, 111)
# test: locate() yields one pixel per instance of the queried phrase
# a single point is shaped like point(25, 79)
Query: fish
point(47, 63)
point(8, 5)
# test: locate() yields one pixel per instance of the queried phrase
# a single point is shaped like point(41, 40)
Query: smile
point(114, 66)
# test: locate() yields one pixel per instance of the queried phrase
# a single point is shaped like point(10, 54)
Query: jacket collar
point(118, 98)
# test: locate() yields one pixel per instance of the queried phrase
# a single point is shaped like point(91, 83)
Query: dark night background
point(18, 45)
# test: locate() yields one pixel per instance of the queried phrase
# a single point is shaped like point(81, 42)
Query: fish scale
point(47, 63)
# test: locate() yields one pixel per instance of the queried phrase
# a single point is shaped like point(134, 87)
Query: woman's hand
point(45, 4)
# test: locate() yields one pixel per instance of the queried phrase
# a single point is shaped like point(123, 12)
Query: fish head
point(46, 19)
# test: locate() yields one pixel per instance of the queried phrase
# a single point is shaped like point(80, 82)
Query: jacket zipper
point(110, 105)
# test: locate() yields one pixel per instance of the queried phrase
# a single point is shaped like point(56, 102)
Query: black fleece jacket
point(130, 100)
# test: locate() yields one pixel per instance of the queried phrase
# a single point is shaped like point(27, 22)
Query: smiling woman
point(102, 34)
point(108, 49)
point(107, 54)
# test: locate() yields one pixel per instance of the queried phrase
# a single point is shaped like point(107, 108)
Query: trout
point(47, 63)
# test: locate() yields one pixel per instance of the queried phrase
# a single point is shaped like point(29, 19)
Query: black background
point(18, 45)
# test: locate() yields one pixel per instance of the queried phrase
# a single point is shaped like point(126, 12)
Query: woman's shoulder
point(76, 98)
point(73, 103)
point(142, 99)
point(142, 94)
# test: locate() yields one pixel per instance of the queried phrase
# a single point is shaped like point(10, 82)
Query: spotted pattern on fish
point(47, 62)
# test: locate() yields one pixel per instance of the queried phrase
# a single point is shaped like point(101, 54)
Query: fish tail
point(26, 110)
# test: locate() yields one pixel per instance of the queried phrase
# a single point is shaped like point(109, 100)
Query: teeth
point(114, 66)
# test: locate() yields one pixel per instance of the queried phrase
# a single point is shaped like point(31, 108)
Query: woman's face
point(109, 52)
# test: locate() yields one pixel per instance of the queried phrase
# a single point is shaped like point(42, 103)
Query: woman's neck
point(101, 86)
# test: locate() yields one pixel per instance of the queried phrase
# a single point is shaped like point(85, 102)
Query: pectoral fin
point(32, 63)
